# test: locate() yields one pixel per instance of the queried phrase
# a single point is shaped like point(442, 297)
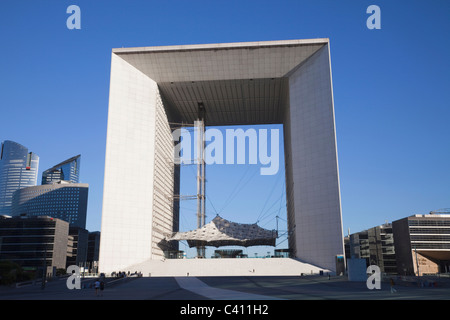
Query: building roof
point(221, 232)
point(238, 83)
point(64, 162)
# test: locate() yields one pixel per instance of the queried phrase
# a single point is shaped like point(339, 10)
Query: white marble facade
point(151, 86)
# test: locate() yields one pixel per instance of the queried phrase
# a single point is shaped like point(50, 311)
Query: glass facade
point(431, 233)
point(63, 200)
point(18, 169)
point(68, 170)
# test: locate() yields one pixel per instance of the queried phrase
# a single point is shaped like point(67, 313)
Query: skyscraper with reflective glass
point(18, 169)
point(60, 195)
point(68, 170)
point(63, 200)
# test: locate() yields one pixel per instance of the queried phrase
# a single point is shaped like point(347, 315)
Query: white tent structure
point(221, 232)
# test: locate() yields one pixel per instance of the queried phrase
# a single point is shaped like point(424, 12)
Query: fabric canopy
point(221, 232)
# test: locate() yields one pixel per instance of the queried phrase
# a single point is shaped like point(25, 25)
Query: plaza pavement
point(229, 288)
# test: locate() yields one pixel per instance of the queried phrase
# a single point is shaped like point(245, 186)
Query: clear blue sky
point(391, 90)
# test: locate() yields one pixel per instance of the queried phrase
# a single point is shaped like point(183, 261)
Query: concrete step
point(225, 267)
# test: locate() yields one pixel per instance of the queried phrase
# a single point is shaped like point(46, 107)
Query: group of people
point(120, 274)
point(99, 284)
point(123, 274)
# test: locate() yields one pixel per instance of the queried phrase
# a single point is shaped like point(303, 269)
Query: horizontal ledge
point(232, 45)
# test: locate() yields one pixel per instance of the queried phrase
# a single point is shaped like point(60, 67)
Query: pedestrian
point(97, 286)
point(392, 286)
point(102, 287)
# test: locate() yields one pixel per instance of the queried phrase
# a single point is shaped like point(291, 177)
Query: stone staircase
point(225, 267)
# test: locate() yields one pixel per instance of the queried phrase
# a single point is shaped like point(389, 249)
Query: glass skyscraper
point(60, 195)
point(62, 200)
point(68, 170)
point(18, 169)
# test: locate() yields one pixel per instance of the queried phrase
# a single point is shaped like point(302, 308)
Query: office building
point(93, 249)
point(61, 200)
point(415, 245)
point(422, 244)
point(18, 169)
point(93, 246)
point(68, 170)
point(77, 246)
point(376, 246)
point(34, 242)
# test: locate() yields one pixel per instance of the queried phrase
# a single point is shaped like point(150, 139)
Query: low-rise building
point(376, 246)
point(422, 244)
point(34, 243)
point(415, 245)
point(77, 246)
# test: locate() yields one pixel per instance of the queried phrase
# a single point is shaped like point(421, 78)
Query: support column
point(312, 185)
point(200, 125)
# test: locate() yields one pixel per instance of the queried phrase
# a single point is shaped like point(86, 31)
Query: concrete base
point(225, 267)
